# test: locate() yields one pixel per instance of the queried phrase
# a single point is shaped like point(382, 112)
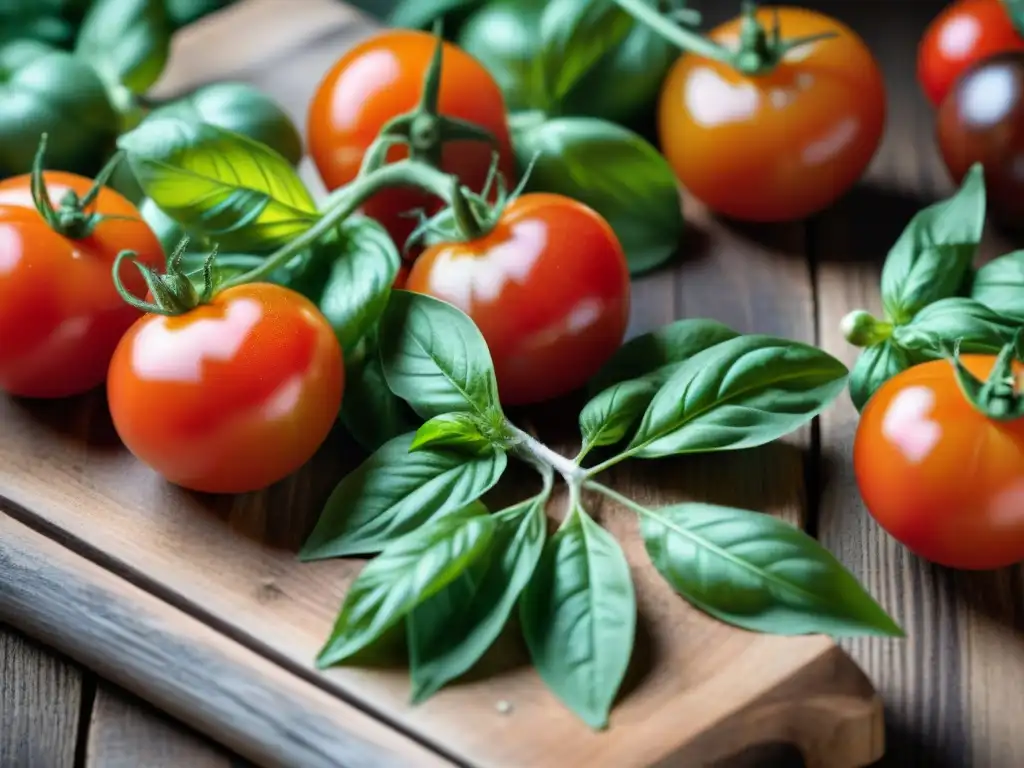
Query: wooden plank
point(124, 732)
point(40, 697)
point(183, 666)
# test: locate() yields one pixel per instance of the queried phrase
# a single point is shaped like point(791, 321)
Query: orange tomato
point(382, 78)
point(780, 146)
point(60, 315)
point(231, 396)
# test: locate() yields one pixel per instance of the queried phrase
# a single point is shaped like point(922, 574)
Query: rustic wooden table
point(953, 690)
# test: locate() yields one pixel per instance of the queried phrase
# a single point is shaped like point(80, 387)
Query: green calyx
point(174, 293)
point(999, 397)
point(1015, 10)
point(72, 217)
point(862, 329)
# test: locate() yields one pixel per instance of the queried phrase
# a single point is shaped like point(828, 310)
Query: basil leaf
point(738, 394)
point(184, 12)
point(126, 41)
point(352, 284)
point(999, 285)
point(457, 431)
point(607, 418)
point(615, 172)
point(420, 14)
point(371, 413)
point(875, 366)
point(578, 616)
point(394, 492)
point(757, 572)
point(939, 326)
point(575, 35)
point(932, 256)
point(658, 354)
point(409, 571)
point(435, 358)
point(451, 631)
point(219, 184)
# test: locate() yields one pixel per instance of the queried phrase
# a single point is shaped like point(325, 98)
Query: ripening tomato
point(231, 396)
point(548, 288)
point(60, 315)
point(940, 476)
point(966, 32)
point(382, 78)
point(779, 146)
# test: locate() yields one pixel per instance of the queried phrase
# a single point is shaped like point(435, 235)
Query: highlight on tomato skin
point(937, 474)
point(548, 288)
point(233, 395)
point(60, 315)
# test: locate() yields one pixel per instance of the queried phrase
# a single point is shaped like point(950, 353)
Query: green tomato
point(45, 90)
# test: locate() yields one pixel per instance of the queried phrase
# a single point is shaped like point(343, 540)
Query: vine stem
point(402, 173)
point(607, 464)
point(530, 446)
point(691, 42)
point(625, 501)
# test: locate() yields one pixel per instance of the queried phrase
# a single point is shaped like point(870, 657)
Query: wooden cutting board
point(199, 605)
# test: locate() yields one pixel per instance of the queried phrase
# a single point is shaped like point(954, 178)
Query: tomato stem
point(999, 397)
point(174, 293)
point(1015, 10)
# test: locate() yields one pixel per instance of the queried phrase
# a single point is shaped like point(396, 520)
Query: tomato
point(231, 396)
point(966, 32)
point(548, 288)
point(381, 78)
point(937, 474)
point(402, 277)
point(982, 120)
point(60, 315)
point(779, 146)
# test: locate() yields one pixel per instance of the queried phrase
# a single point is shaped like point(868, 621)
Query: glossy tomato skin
point(965, 33)
point(60, 316)
point(548, 288)
point(232, 396)
point(982, 120)
point(940, 477)
point(781, 146)
point(380, 79)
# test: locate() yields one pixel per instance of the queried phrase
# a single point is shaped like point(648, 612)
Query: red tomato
point(780, 146)
point(402, 277)
point(938, 475)
point(965, 33)
point(548, 288)
point(381, 78)
point(232, 396)
point(60, 316)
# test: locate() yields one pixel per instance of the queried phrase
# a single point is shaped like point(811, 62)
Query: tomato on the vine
point(382, 78)
point(778, 146)
point(60, 315)
point(939, 475)
point(548, 288)
point(965, 33)
point(231, 396)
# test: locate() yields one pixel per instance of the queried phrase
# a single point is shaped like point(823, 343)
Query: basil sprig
point(454, 573)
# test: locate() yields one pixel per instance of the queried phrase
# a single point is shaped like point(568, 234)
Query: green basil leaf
point(615, 172)
point(451, 631)
point(575, 35)
point(394, 492)
point(219, 184)
point(458, 431)
point(370, 411)
point(658, 354)
point(349, 277)
point(608, 417)
point(937, 327)
point(409, 571)
point(738, 394)
point(578, 615)
point(184, 12)
point(435, 358)
point(420, 14)
point(930, 259)
point(127, 41)
point(166, 229)
point(875, 366)
point(999, 285)
point(757, 572)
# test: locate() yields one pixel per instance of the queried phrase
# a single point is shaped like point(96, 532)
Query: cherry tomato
point(966, 32)
point(937, 474)
point(548, 288)
point(231, 396)
point(982, 120)
point(779, 146)
point(381, 78)
point(402, 277)
point(60, 316)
